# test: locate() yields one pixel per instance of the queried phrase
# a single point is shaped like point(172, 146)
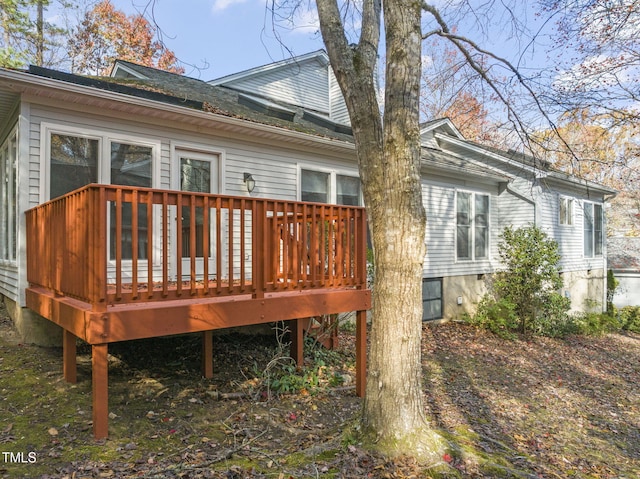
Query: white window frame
point(333, 187)
point(568, 219)
point(472, 226)
point(593, 205)
point(178, 148)
point(105, 138)
point(9, 189)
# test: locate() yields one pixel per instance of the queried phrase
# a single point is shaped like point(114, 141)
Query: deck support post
point(207, 354)
point(297, 341)
point(69, 361)
point(361, 352)
point(100, 390)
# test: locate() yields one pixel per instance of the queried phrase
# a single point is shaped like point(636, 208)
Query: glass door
point(198, 174)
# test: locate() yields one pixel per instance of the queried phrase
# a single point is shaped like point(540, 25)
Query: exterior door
point(198, 172)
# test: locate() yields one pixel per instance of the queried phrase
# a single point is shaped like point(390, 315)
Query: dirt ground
point(535, 408)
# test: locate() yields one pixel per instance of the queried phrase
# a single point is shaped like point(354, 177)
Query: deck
point(115, 263)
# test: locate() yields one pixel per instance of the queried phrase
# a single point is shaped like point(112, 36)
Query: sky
point(213, 38)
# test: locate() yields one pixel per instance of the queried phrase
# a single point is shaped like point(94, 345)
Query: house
point(286, 125)
point(472, 192)
point(624, 260)
point(197, 216)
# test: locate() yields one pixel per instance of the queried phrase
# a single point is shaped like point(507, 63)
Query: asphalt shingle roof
point(180, 90)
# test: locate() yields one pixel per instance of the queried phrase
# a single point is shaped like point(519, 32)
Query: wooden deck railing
point(106, 244)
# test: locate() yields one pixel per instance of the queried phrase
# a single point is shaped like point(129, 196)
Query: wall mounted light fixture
point(249, 181)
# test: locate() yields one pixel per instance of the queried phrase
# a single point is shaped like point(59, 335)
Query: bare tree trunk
point(389, 159)
point(40, 34)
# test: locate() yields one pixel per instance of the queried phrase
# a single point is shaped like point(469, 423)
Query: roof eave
point(57, 89)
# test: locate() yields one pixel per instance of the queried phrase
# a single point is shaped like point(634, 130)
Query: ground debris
point(535, 408)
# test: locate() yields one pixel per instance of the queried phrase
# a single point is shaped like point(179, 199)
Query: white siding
point(338, 107)
point(569, 237)
point(439, 201)
point(305, 84)
point(274, 167)
point(514, 211)
point(9, 282)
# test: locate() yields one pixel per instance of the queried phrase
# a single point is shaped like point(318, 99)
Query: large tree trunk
point(389, 160)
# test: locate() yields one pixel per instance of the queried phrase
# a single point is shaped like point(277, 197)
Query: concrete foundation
point(461, 294)
point(586, 289)
point(33, 328)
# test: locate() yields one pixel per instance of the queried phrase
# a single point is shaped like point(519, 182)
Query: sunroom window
point(329, 187)
point(74, 163)
point(315, 186)
point(348, 190)
point(131, 165)
point(8, 199)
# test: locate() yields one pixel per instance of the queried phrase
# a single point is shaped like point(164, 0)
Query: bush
point(629, 318)
point(525, 294)
point(498, 316)
point(591, 324)
point(612, 284)
point(531, 278)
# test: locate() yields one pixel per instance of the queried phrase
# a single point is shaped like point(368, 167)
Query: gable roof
point(446, 149)
point(318, 56)
point(171, 88)
point(442, 124)
point(306, 81)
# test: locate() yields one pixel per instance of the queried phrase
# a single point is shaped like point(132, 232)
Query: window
point(472, 226)
point(195, 176)
point(566, 211)
point(348, 190)
point(8, 199)
point(74, 163)
point(431, 299)
point(130, 166)
point(315, 186)
point(593, 229)
point(329, 187)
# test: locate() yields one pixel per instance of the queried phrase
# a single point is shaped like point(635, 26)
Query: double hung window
point(472, 226)
point(566, 211)
point(593, 222)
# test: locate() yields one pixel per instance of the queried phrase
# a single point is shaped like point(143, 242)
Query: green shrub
point(629, 318)
point(498, 316)
point(612, 284)
point(531, 278)
point(524, 295)
point(590, 324)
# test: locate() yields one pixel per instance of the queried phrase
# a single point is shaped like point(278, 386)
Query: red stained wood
point(271, 261)
point(69, 362)
point(100, 389)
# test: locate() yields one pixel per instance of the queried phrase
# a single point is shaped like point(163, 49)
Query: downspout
point(605, 262)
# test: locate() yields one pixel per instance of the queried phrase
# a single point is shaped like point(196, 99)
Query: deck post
point(207, 354)
point(361, 352)
point(69, 361)
point(100, 390)
point(297, 341)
